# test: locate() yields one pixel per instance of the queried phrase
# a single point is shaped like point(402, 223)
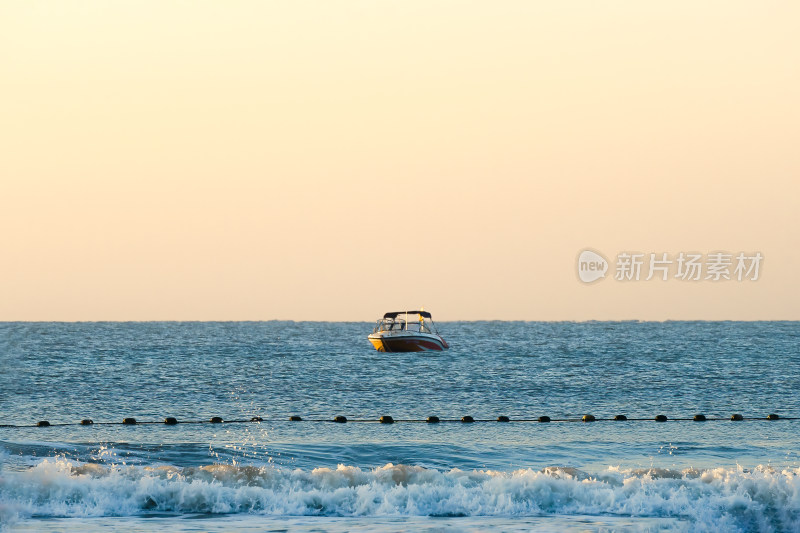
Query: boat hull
point(407, 343)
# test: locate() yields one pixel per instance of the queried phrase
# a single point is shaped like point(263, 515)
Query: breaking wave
point(730, 499)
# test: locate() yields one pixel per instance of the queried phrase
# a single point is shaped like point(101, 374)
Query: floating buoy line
point(386, 419)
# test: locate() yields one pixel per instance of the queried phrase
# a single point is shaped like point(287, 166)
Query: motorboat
point(406, 331)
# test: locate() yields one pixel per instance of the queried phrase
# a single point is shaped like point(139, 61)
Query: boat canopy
point(394, 314)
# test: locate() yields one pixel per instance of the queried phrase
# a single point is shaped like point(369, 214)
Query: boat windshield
point(414, 324)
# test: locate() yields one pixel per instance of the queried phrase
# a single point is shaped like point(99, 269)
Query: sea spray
point(733, 499)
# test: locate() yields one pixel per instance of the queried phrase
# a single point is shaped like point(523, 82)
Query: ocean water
point(316, 475)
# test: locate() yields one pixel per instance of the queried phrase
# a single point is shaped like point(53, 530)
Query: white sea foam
point(716, 499)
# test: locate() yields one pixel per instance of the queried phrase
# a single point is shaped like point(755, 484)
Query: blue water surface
point(567, 474)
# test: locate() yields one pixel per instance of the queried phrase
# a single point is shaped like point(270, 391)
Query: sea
point(260, 471)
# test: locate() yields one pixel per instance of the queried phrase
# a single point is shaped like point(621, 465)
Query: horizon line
point(590, 320)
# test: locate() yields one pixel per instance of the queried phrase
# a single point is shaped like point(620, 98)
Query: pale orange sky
point(334, 160)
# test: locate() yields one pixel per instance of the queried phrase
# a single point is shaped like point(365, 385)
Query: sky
point(251, 160)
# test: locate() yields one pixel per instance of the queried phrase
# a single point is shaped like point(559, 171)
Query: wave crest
point(762, 499)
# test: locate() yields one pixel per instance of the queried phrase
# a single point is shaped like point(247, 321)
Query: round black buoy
point(170, 421)
point(295, 418)
point(620, 418)
point(467, 419)
point(432, 420)
point(503, 418)
point(256, 419)
point(736, 417)
point(773, 416)
point(699, 418)
point(386, 419)
point(216, 420)
point(129, 421)
point(544, 419)
point(43, 423)
point(661, 418)
point(340, 419)
point(87, 422)
point(588, 418)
